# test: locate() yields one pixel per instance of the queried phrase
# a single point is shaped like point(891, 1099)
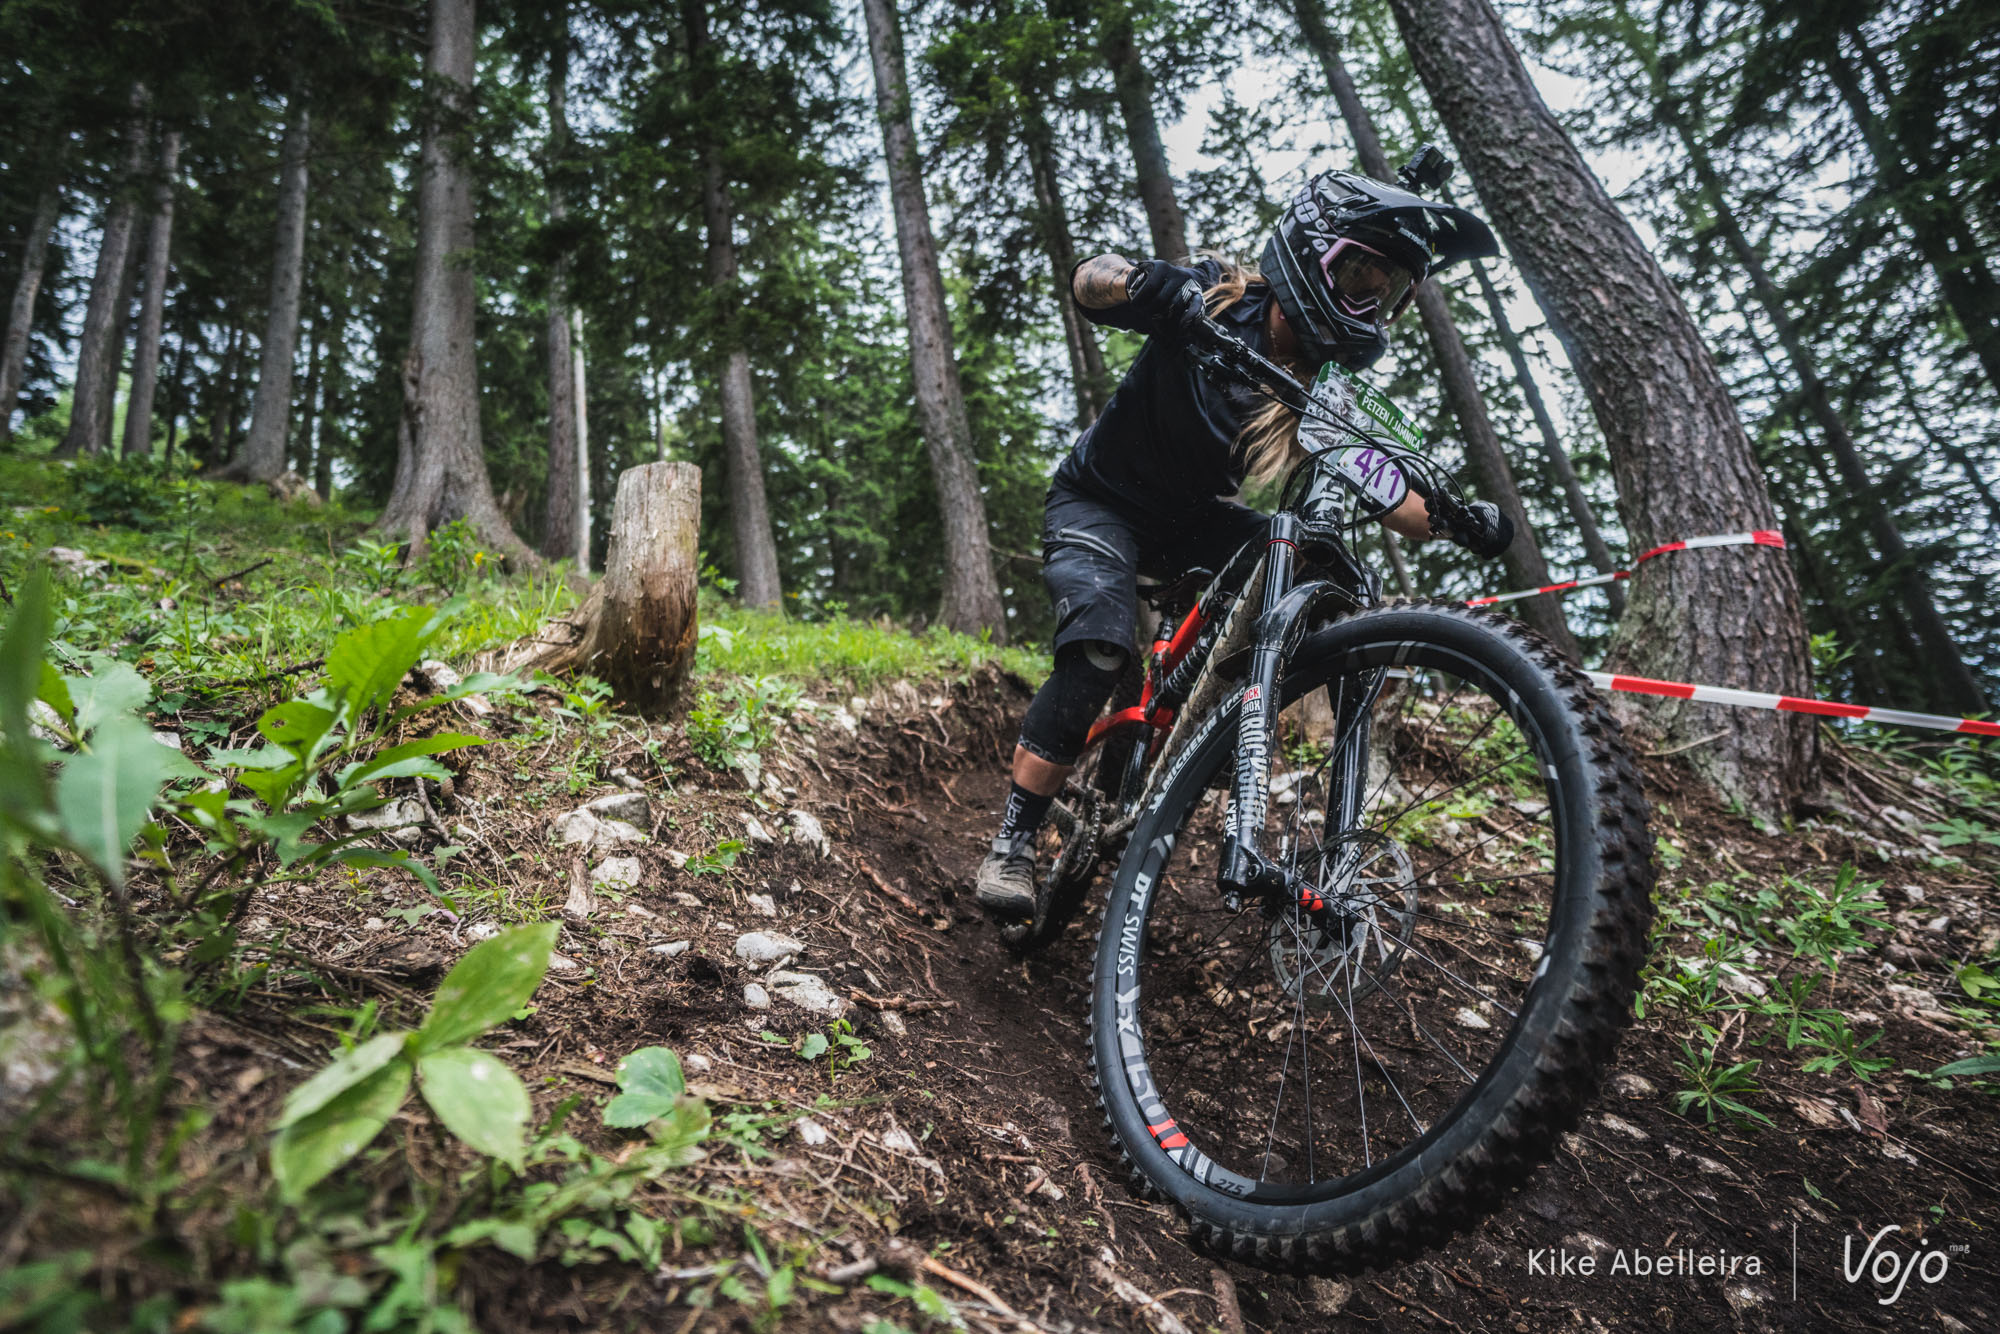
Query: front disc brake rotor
point(1353, 942)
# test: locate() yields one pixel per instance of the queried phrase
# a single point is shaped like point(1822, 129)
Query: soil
point(968, 1151)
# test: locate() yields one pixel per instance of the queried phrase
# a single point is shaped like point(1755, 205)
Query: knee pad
point(1086, 672)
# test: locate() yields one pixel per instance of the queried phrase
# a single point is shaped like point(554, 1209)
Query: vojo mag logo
point(1889, 1269)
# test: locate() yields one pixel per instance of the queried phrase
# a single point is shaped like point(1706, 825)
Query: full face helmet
point(1348, 254)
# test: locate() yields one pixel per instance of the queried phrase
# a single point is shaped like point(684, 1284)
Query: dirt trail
point(973, 1131)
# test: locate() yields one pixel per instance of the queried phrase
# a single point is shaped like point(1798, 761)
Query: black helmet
point(1349, 251)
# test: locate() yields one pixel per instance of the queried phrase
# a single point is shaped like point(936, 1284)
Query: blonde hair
point(1270, 439)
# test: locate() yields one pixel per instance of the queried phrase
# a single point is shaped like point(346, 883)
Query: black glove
point(1166, 296)
point(1483, 530)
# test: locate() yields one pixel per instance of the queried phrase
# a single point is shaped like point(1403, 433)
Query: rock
point(696, 1064)
point(897, 1140)
point(632, 807)
point(1470, 1018)
point(676, 859)
point(171, 740)
point(757, 833)
point(671, 948)
point(1741, 983)
point(806, 831)
point(1587, 1243)
point(624, 779)
point(402, 820)
point(1623, 1127)
point(577, 826)
point(1531, 948)
point(762, 947)
point(811, 1133)
point(613, 834)
point(479, 931)
point(772, 787)
point(562, 963)
point(71, 561)
point(640, 910)
point(1627, 1085)
point(687, 900)
point(846, 721)
point(1742, 1296)
point(616, 873)
point(1937, 924)
point(893, 1024)
point(807, 992)
point(762, 904)
point(1700, 1164)
point(578, 906)
point(1329, 1295)
point(599, 834)
point(756, 997)
point(464, 833)
point(288, 488)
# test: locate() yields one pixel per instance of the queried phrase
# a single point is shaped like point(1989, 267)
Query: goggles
point(1366, 283)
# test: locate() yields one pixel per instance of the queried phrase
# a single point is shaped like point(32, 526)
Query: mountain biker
point(1146, 483)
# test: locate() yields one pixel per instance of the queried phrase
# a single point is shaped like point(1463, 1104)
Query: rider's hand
point(1168, 296)
point(1484, 530)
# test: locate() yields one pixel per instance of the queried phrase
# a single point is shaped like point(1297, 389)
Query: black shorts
point(1093, 553)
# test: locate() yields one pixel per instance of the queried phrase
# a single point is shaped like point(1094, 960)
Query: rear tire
point(1186, 1023)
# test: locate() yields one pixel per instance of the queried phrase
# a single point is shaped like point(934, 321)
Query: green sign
point(1373, 404)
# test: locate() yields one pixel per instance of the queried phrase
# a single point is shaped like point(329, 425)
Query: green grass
point(173, 536)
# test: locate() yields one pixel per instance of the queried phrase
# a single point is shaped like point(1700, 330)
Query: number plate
point(1375, 474)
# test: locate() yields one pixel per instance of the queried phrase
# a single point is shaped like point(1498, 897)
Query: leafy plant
point(730, 728)
point(333, 1116)
point(1826, 923)
point(842, 1047)
point(718, 859)
point(1714, 1089)
point(1828, 1031)
point(650, 1085)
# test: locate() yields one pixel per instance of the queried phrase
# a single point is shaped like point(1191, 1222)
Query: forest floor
point(906, 1135)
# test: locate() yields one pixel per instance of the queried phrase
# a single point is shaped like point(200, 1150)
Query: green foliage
point(730, 727)
point(334, 1115)
point(1826, 922)
point(650, 1085)
point(1715, 1090)
point(861, 653)
point(1840, 1047)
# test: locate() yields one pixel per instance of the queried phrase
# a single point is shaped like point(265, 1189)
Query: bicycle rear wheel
point(1349, 1075)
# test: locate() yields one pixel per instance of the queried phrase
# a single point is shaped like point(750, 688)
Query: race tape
point(1761, 538)
point(1752, 699)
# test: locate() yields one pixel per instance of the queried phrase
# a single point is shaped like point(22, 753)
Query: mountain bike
point(1348, 988)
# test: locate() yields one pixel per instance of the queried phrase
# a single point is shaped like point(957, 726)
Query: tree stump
point(637, 629)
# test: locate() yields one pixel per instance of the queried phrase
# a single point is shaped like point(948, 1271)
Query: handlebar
point(1451, 515)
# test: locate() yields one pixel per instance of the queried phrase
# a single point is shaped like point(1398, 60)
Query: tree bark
point(330, 401)
point(1086, 358)
point(580, 395)
point(263, 454)
point(1492, 473)
point(1956, 689)
point(971, 601)
point(559, 523)
point(99, 350)
point(757, 583)
point(21, 315)
point(637, 629)
point(1133, 84)
point(138, 441)
point(446, 477)
point(223, 421)
point(1682, 461)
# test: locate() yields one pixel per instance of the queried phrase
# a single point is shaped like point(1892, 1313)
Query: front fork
point(1282, 618)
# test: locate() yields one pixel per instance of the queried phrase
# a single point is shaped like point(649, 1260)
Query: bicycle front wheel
point(1370, 1062)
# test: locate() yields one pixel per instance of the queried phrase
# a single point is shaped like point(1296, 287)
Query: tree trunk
point(330, 402)
point(302, 446)
point(757, 582)
point(446, 476)
point(559, 520)
point(98, 350)
point(637, 629)
point(1953, 254)
point(1956, 688)
point(153, 307)
point(1493, 476)
point(263, 455)
point(971, 601)
point(21, 315)
point(580, 395)
point(222, 422)
point(1133, 83)
point(1086, 358)
point(1684, 467)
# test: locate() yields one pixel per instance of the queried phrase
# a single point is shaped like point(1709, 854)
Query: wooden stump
point(637, 628)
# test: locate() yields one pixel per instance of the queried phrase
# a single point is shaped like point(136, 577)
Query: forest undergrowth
point(347, 986)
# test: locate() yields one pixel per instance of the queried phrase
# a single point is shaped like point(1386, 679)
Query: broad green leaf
point(494, 979)
point(515, 1238)
point(1988, 1064)
point(273, 787)
point(346, 1070)
point(21, 656)
point(479, 1100)
point(379, 766)
point(399, 861)
point(242, 757)
point(650, 1082)
point(309, 1148)
point(54, 692)
point(368, 662)
point(113, 689)
point(410, 766)
point(104, 795)
point(298, 725)
point(813, 1047)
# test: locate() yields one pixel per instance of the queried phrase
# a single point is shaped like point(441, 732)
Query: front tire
point(1496, 970)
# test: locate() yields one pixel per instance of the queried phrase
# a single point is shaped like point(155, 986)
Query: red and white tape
point(1761, 538)
point(1753, 699)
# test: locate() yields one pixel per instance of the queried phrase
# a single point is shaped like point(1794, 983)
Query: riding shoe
point(1006, 883)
